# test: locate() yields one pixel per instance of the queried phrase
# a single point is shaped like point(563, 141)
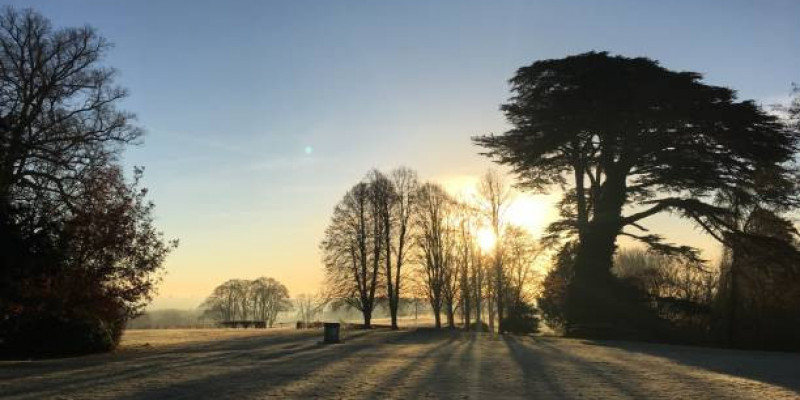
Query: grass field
point(411, 364)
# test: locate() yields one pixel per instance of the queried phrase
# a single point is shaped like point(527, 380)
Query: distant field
point(136, 339)
point(285, 363)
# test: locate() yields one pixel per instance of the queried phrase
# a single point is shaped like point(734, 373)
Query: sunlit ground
point(409, 364)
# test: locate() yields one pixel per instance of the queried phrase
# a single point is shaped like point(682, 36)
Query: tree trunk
point(367, 319)
point(393, 310)
point(437, 317)
point(391, 293)
point(588, 295)
point(490, 310)
point(499, 294)
point(451, 320)
point(733, 297)
point(478, 308)
point(467, 310)
point(597, 303)
point(396, 304)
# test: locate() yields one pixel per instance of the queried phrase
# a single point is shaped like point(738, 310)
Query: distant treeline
point(198, 318)
point(260, 299)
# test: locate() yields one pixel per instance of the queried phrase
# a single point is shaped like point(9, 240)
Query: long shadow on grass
point(537, 379)
point(385, 370)
point(543, 364)
point(622, 374)
point(259, 379)
point(398, 379)
point(444, 377)
point(776, 368)
point(82, 375)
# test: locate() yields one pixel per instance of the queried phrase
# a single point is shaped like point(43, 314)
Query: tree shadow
point(542, 366)
point(434, 367)
point(400, 364)
point(776, 368)
point(391, 367)
point(617, 371)
point(85, 374)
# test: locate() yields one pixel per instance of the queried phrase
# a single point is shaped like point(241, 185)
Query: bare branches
point(352, 250)
point(242, 300)
point(57, 102)
point(437, 245)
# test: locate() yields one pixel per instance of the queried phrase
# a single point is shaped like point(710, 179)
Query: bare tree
point(268, 297)
point(352, 251)
point(58, 116)
point(221, 304)
point(242, 300)
point(308, 308)
point(241, 289)
point(520, 252)
point(406, 188)
point(452, 277)
point(466, 260)
point(494, 196)
point(383, 199)
point(435, 240)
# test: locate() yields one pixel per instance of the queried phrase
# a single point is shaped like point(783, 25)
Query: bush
point(552, 302)
point(56, 336)
point(483, 327)
point(521, 319)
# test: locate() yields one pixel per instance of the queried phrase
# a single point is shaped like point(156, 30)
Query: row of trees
point(79, 254)
point(626, 139)
point(243, 300)
point(391, 232)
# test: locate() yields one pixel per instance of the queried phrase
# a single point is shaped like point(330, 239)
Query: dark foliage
point(80, 254)
point(552, 301)
point(521, 318)
point(45, 335)
point(479, 326)
point(759, 295)
point(615, 132)
point(91, 270)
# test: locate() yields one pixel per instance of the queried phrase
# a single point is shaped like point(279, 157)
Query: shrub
point(552, 301)
point(58, 336)
point(521, 319)
point(483, 327)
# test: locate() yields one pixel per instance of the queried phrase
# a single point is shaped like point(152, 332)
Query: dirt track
point(405, 364)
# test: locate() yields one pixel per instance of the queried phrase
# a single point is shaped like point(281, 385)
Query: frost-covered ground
point(409, 364)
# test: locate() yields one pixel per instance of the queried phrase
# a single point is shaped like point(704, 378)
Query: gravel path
point(406, 364)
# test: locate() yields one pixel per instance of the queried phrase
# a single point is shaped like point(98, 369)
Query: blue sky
point(232, 93)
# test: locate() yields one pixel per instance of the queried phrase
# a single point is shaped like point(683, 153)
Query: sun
point(486, 239)
point(531, 212)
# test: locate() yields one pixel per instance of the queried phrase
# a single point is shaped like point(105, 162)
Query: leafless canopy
point(58, 115)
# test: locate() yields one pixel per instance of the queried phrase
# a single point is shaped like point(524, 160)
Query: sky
point(260, 115)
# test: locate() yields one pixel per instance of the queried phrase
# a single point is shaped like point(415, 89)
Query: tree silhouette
point(398, 234)
point(436, 242)
point(627, 139)
point(242, 300)
point(759, 291)
point(80, 254)
point(58, 113)
point(494, 198)
point(352, 251)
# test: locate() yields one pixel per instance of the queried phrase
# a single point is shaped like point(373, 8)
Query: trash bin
point(331, 332)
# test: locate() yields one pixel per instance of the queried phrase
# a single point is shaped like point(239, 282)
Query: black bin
point(331, 332)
